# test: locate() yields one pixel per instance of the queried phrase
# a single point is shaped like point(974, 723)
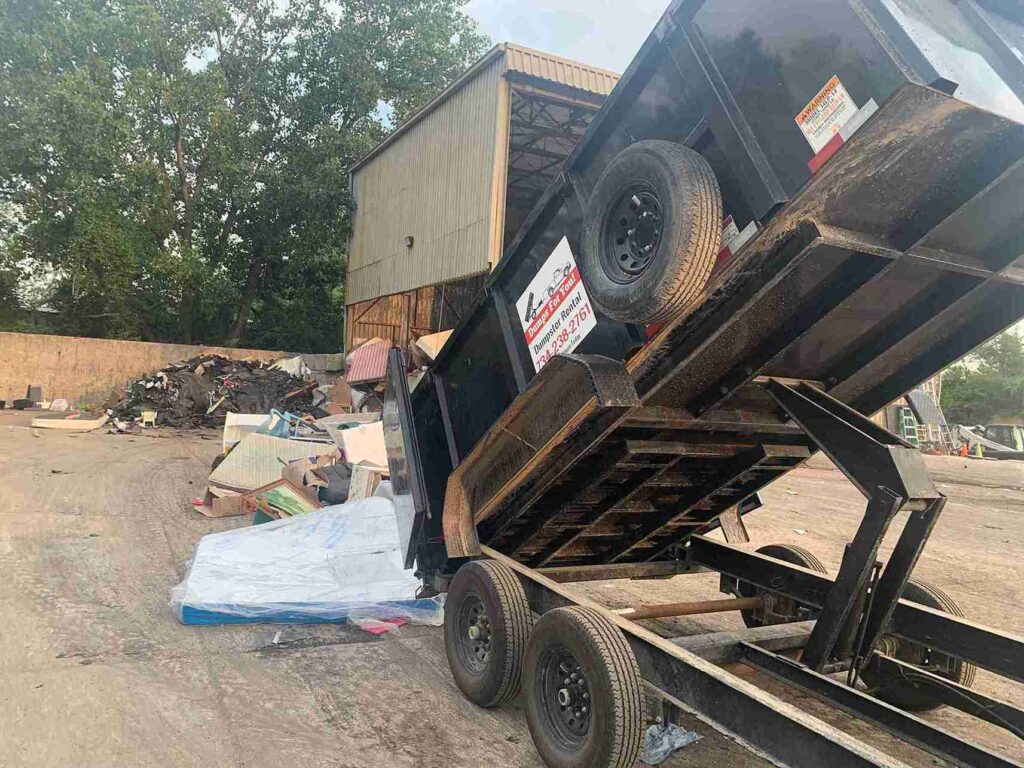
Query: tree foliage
point(989, 385)
point(181, 165)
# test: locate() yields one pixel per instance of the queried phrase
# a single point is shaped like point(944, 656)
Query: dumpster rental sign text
point(554, 309)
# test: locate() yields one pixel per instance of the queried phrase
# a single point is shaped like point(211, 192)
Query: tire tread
point(518, 625)
point(908, 696)
point(946, 603)
point(626, 684)
point(808, 558)
point(703, 244)
point(625, 689)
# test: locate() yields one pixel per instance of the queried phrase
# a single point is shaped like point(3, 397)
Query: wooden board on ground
point(72, 423)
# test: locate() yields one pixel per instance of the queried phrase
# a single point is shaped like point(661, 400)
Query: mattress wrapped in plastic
point(339, 563)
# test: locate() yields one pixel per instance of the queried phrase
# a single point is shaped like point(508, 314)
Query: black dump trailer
point(785, 216)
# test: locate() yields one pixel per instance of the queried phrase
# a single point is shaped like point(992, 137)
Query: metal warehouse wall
point(437, 183)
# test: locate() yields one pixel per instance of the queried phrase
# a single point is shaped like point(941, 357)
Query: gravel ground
point(95, 529)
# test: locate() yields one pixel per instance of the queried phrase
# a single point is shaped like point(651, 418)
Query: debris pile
point(202, 391)
point(289, 465)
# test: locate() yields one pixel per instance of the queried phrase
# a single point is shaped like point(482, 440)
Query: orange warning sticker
point(826, 113)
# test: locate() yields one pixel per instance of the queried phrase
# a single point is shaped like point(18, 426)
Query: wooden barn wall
point(404, 317)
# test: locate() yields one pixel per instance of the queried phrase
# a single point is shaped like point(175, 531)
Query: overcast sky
point(603, 33)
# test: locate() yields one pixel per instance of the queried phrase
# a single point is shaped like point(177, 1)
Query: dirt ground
point(97, 672)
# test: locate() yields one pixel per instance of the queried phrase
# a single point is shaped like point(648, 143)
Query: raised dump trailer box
point(850, 173)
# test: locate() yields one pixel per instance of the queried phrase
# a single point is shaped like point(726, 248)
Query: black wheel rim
point(564, 697)
point(633, 230)
point(473, 638)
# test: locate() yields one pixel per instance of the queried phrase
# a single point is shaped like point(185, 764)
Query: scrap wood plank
point(72, 423)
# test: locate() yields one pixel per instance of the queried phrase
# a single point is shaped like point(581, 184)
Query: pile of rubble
point(201, 391)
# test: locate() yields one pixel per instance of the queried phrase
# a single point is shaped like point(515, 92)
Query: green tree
point(988, 385)
point(10, 270)
point(182, 164)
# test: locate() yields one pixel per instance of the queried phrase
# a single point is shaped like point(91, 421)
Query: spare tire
point(651, 232)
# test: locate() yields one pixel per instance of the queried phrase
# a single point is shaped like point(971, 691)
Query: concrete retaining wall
point(87, 370)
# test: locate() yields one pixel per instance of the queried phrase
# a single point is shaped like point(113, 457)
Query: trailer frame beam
point(906, 726)
point(754, 717)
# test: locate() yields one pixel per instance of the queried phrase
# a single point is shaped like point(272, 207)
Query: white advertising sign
point(554, 310)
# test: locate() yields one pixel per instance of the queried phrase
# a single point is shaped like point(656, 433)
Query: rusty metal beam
point(565, 574)
point(693, 608)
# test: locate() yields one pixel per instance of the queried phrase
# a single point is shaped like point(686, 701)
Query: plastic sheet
point(660, 741)
point(326, 566)
point(296, 366)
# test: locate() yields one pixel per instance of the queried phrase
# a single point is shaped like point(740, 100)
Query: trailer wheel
point(779, 609)
point(910, 695)
point(584, 702)
point(487, 622)
point(651, 232)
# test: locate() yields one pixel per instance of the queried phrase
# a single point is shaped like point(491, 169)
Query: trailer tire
point(487, 622)
point(787, 553)
point(652, 231)
point(907, 694)
point(571, 652)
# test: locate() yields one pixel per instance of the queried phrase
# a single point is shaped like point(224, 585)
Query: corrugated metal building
point(439, 199)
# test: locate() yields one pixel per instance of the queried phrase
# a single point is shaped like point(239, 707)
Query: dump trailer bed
point(890, 261)
point(877, 258)
point(886, 268)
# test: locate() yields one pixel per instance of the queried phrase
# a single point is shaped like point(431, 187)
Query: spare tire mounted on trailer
point(652, 231)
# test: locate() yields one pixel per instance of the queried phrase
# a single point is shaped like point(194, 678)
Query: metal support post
point(854, 573)
point(890, 473)
point(897, 572)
